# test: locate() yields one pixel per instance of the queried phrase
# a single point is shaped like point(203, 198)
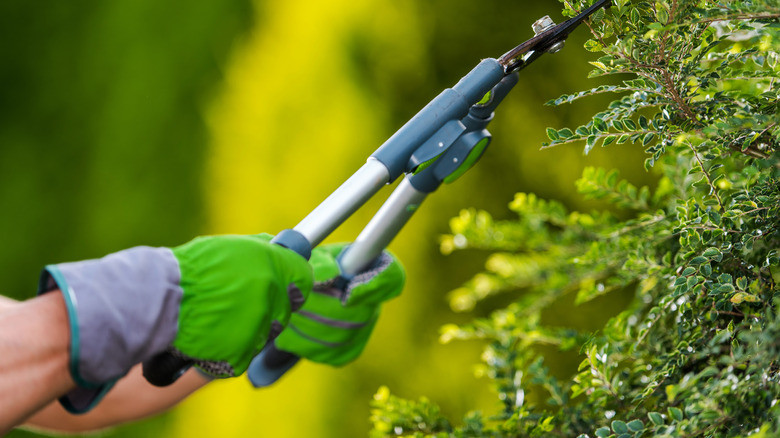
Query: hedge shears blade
point(549, 38)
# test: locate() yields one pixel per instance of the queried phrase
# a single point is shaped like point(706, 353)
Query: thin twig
point(707, 175)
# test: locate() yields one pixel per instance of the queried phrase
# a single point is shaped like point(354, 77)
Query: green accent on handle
point(486, 98)
point(425, 164)
point(473, 157)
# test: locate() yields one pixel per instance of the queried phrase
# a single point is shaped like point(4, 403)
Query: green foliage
point(702, 74)
point(695, 352)
point(102, 137)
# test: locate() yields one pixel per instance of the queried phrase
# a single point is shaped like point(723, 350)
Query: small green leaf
point(593, 46)
point(619, 426)
point(671, 392)
point(565, 133)
point(656, 26)
point(635, 17)
point(714, 217)
point(676, 414)
point(600, 125)
point(552, 134)
point(612, 178)
point(636, 425)
point(662, 15)
point(656, 418)
point(712, 252)
point(709, 415)
point(698, 260)
point(744, 297)
point(603, 432)
point(597, 16)
point(726, 288)
point(589, 143)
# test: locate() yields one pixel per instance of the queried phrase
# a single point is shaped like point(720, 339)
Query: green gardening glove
point(335, 322)
point(239, 292)
point(214, 302)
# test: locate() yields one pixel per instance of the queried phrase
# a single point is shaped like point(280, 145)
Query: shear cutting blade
point(530, 50)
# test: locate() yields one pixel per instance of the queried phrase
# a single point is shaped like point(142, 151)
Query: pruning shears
point(438, 145)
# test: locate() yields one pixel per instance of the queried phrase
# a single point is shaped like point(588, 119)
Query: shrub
point(697, 350)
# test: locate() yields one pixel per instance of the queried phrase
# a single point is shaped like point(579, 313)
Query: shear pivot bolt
point(542, 25)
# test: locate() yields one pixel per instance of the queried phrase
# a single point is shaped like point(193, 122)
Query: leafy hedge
point(697, 350)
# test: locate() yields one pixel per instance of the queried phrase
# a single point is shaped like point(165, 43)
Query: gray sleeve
point(122, 309)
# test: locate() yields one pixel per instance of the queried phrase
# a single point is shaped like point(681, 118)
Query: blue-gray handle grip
point(452, 104)
point(271, 364)
point(294, 241)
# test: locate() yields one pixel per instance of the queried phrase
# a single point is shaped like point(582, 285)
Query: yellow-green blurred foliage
point(157, 153)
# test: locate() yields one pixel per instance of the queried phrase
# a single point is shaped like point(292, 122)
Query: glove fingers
point(323, 262)
point(334, 324)
point(381, 281)
point(328, 330)
point(336, 350)
point(298, 279)
point(331, 322)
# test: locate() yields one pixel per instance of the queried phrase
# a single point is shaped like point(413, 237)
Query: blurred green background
point(149, 122)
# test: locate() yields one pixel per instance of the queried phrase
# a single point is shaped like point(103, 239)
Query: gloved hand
point(335, 322)
point(214, 300)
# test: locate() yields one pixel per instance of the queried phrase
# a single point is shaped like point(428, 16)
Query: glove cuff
point(377, 267)
point(122, 309)
point(385, 274)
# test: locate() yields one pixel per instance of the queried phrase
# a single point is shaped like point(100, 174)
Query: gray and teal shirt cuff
point(122, 309)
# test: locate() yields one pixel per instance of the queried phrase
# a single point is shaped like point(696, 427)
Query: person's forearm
point(34, 338)
point(132, 398)
point(6, 303)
